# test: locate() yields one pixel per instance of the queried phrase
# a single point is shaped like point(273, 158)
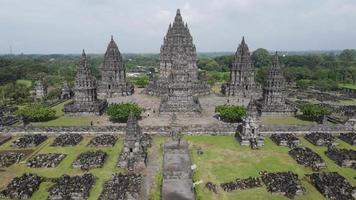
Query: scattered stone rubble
point(103, 141)
point(22, 187)
point(29, 141)
point(9, 158)
point(342, 157)
point(122, 187)
point(90, 159)
point(46, 160)
point(288, 140)
point(283, 183)
point(211, 187)
point(4, 139)
point(332, 185)
point(76, 187)
point(241, 184)
point(321, 139)
point(348, 137)
point(70, 139)
point(305, 156)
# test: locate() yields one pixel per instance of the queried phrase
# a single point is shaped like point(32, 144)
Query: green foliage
point(231, 113)
point(36, 113)
point(120, 112)
point(314, 111)
point(54, 94)
point(214, 77)
point(261, 58)
point(15, 93)
point(348, 55)
point(140, 81)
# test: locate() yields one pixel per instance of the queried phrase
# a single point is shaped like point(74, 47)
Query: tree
point(348, 55)
point(261, 58)
point(36, 113)
point(314, 111)
point(231, 113)
point(140, 81)
point(120, 112)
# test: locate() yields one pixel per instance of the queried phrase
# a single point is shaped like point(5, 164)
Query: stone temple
point(242, 75)
point(41, 90)
point(85, 96)
point(273, 101)
point(248, 132)
point(178, 41)
point(113, 74)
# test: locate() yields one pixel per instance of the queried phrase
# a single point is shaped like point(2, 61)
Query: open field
point(350, 86)
point(284, 120)
point(28, 83)
point(225, 160)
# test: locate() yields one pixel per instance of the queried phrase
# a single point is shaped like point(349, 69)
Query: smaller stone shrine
point(134, 153)
point(247, 133)
point(273, 101)
point(41, 90)
point(66, 92)
point(85, 95)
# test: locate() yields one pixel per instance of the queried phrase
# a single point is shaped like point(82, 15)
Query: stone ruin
point(285, 139)
point(22, 187)
point(29, 141)
point(90, 159)
point(349, 137)
point(9, 158)
point(66, 92)
point(105, 140)
point(67, 139)
point(4, 139)
point(305, 156)
point(273, 101)
point(113, 74)
point(283, 183)
point(321, 139)
point(342, 157)
point(178, 41)
point(85, 94)
point(242, 184)
point(242, 75)
point(247, 133)
point(177, 173)
point(332, 185)
point(122, 187)
point(45, 160)
point(8, 116)
point(75, 187)
point(134, 153)
point(40, 90)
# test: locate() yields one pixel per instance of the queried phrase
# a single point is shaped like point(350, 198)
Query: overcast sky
point(67, 26)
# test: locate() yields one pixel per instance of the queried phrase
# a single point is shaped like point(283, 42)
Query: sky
point(138, 26)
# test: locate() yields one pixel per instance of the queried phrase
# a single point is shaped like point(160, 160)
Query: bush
point(36, 113)
point(231, 113)
point(120, 112)
point(140, 81)
point(314, 111)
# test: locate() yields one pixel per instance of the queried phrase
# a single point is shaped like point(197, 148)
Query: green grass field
point(225, 160)
point(28, 83)
point(284, 120)
point(350, 86)
point(62, 120)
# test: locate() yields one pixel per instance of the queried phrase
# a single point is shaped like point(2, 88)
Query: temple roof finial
point(112, 37)
point(275, 59)
point(178, 17)
point(83, 53)
point(243, 40)
point(178, 11)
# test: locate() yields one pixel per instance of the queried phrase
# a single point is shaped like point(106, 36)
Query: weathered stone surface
point(342, 157)
point(90, 159)
point(85, 94)
point(307, 157)
point(113, 74)
point(349, 137)
point(321, 139)
point(103, 140)
point(9, 158)
point(284, 139)
point(66, 92)
point(241, 184)
point(70, 139)
point(242, 75)
point(4, 139)
point(28, 141)
point(273, 101)
point(41, 90)
point(178, 41)
point(45, 160)
point(22, 187)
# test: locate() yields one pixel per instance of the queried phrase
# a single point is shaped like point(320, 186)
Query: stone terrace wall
point(222, 129)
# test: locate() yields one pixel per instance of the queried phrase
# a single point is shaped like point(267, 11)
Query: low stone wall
point(221, 129)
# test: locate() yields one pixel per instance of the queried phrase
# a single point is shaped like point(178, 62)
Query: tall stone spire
point(113, 74)
point(273, 101)
point(178, 41)
point(85, 92)
point(242, 74)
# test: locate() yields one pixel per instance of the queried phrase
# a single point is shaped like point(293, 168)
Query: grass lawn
point(28, 83)
point(62, 120)
point(284, 120)
point(350, 86)
point(225, 160)
point(102, 174)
